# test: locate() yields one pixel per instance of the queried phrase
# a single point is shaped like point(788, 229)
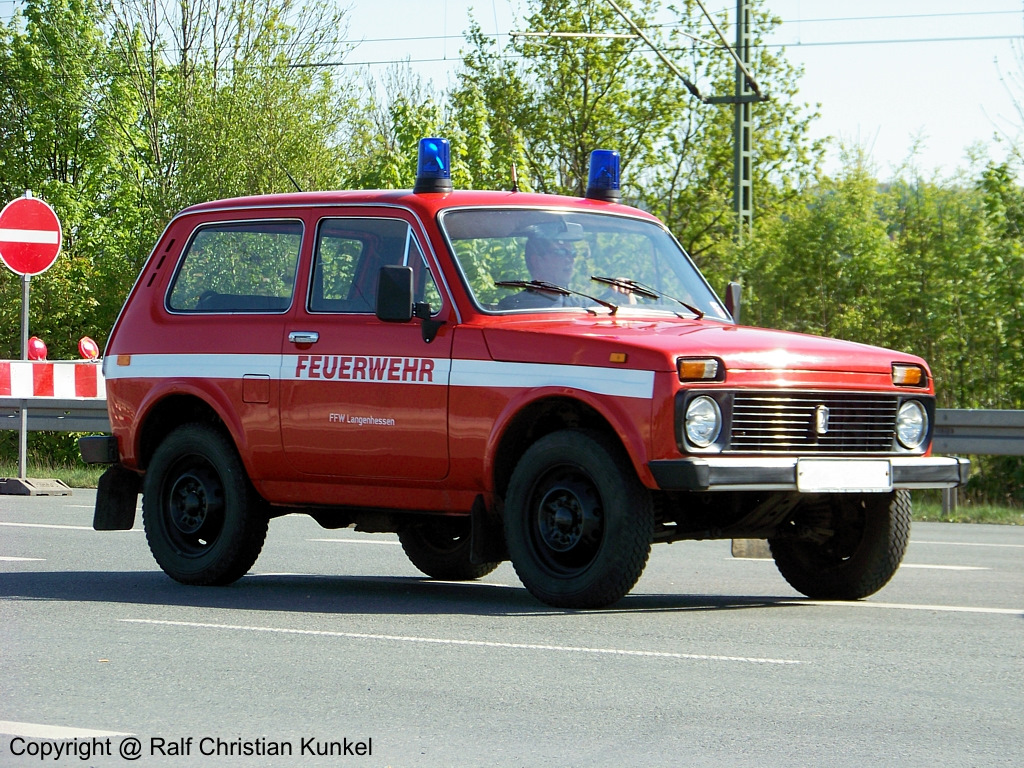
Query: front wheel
point(578, 522)
point(204, 522)
point(861, 543)
point(440, 548)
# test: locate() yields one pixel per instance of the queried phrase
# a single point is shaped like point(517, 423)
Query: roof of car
point(425, 203)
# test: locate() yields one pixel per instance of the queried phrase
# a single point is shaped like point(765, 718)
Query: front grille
point(765, 422)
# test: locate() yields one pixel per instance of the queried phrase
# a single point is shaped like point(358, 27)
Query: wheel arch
point(548, 414)
point(171, 411)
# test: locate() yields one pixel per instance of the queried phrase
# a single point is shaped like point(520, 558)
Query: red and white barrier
point(63, 380)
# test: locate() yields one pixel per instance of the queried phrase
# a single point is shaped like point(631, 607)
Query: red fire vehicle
point(493, 375)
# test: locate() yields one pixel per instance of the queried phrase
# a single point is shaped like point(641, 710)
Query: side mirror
point(395, 305)
point(394, 294)
point(733, 293)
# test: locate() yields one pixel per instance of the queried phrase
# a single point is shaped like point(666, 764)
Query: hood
point(655, 343)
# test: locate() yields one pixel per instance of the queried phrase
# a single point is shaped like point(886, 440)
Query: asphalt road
point(335, 643)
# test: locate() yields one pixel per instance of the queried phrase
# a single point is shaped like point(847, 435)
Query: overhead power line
point(766, 46)
point(964, 39)
point(671, 25)
point(903, 16)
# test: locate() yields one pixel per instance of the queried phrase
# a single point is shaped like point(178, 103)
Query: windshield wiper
point(543, 285)
point(632, 286)
point(537, 285)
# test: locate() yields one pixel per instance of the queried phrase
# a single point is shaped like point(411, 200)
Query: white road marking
point(946, 567)
point(903, 565)
point(39, 731)
point(471, 643)
point(359, 541)
point(64, 527)
point(909, 606)
point(968, 544)
point(402, 580)
point(4, 559)
point(470, 583)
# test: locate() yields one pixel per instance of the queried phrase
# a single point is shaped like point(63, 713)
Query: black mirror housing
point(394, 294)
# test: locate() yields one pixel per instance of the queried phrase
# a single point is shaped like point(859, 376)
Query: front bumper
point(810, 474)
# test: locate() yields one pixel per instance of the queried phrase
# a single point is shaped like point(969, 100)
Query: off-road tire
point(204, 522)
point(441, 549)
point(869, 540)
point(578, 522)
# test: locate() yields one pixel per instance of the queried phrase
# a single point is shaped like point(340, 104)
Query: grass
point(925, 509)
point(80, 476)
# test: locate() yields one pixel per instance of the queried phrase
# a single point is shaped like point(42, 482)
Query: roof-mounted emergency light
point(603, 181)
point(434, 171)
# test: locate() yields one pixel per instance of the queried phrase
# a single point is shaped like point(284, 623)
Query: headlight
point(911, 424)
point(703, 421)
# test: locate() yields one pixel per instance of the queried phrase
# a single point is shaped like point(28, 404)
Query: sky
point(919, 81)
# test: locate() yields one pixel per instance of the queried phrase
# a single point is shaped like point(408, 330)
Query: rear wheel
point(854, 546)
point(204, 522)
point(441, 548)
point(577, 521)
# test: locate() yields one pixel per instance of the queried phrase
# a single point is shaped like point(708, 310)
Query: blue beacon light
point(603, 180)
point(434, 170)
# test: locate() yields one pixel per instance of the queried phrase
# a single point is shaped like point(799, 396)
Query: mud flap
point(487, 535)
point(756, 549)
point(117, 496)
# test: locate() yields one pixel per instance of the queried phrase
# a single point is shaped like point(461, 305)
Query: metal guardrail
point(54, 415)
point(979, 433)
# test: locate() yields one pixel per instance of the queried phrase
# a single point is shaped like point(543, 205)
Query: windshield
point(525, 260)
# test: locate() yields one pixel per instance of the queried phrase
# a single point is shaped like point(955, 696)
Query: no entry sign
point(30, 236)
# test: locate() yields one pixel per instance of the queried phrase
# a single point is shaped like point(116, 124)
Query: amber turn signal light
point(908, 375)
point(699, 368)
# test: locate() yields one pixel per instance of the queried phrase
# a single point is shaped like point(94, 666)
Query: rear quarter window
point(238, 267)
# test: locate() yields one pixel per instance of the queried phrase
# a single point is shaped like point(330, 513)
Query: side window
point(348, 258)
point(238, 267)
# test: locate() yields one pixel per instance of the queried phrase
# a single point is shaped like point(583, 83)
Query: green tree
point(946, 299)
point(691, 190)
point(398, 114)
point(549, 101)
point(58, 138)
point(816, 264)
point(232, 98)
point(546, 101)
point(486, 101)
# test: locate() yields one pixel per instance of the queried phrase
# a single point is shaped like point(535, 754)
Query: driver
point(550, 256)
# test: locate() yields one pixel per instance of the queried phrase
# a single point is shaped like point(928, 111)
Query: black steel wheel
point(204, 522)
point(578, 522)
point(864, 545)
point(441, 548)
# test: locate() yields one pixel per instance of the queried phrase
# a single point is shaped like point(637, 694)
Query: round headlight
point(703, 421)
point(911, 424)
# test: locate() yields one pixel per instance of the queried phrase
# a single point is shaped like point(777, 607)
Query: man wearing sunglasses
point(550, 256)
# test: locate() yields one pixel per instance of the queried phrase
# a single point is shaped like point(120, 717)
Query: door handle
point(303, 337)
